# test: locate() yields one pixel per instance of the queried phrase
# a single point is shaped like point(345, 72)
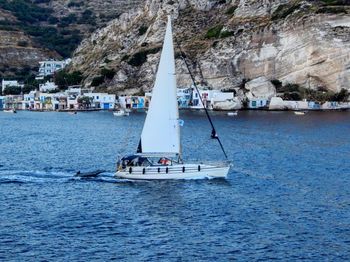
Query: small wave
point(199, 178)
point(8, 181)
point(251, 173)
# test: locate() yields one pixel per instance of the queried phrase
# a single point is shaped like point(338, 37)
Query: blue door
point(106, 106)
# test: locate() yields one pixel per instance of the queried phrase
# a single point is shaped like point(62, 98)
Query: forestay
point(161, 132)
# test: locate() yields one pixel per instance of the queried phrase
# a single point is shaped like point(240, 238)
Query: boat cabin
point(138, 160)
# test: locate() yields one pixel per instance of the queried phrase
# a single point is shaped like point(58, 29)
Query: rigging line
point(214, 134)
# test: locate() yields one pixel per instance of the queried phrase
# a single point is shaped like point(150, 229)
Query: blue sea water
point(287, 196)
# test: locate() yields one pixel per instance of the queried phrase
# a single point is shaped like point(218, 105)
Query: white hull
point(121, 113)
point(11, 111)
point(189, 171)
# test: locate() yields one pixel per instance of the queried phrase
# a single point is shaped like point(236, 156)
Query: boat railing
point(170, 169)
point(222, 163)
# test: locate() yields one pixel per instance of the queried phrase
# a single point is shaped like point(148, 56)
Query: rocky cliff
point(226, 43)
point(31, 31)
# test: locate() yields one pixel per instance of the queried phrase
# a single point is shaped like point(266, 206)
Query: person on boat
point(131, 161)
point(164, 161)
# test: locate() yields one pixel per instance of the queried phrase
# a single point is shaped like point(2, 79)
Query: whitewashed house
point(102, 100)
point(48, 86)
point(184, 97)
point(214, 99)
point(9, 83)
point(134, 102)
point(258, 103)
point(72, 102)
point(49, 67)
point(277, 103)
point(30, 102)
point(2, 102)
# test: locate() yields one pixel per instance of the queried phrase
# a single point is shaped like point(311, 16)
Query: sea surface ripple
point(287, 196)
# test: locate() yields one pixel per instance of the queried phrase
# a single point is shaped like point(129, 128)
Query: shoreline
point(187, 109)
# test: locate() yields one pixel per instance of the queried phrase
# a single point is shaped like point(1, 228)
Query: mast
point(214, 134)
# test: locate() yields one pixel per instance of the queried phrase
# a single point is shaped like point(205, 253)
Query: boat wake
point(50, 176)
point(32, 176)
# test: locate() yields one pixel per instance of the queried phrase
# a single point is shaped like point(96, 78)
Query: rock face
point(18, 51)
point(260, 88)
point(31, 31)
point(225, 42)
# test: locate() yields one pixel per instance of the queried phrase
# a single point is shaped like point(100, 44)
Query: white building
point(277, 103)
point(134, 102)
point(256, 103)
point(102, 100)
point(1, 102)
point(215, 99)
point(184, 96)
point(37, 100)
point(212, 99)
point(6, 83)
point(48, 86)
point(49, 67)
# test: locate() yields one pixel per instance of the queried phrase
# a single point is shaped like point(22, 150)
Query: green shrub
point(284, 10)
point(27, 88)
point(139, 58)
point(87, 17)
point(63, 79)
point(277, 83)
point(12, 90)
point(335, 2)
point(231, 10)
point(108, 73)
point(214, 32)
point(226, 34)
point(75, 4)
point(66, 21)
point(97, 80)
point(342, 96)
point(107, 61)
point(125, 58)
point(30, 18)
point(22, 43)
point(143, 29)
point(332, 10)
point(296, 92)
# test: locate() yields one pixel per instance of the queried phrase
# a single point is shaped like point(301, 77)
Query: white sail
point(161, 132)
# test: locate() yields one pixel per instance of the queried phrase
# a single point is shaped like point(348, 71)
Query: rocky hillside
point(227, 43)
point(40, 29)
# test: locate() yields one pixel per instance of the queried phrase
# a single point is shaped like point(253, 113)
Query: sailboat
point(158, 155)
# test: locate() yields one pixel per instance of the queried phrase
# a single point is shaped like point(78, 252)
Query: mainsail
point(161, 131)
